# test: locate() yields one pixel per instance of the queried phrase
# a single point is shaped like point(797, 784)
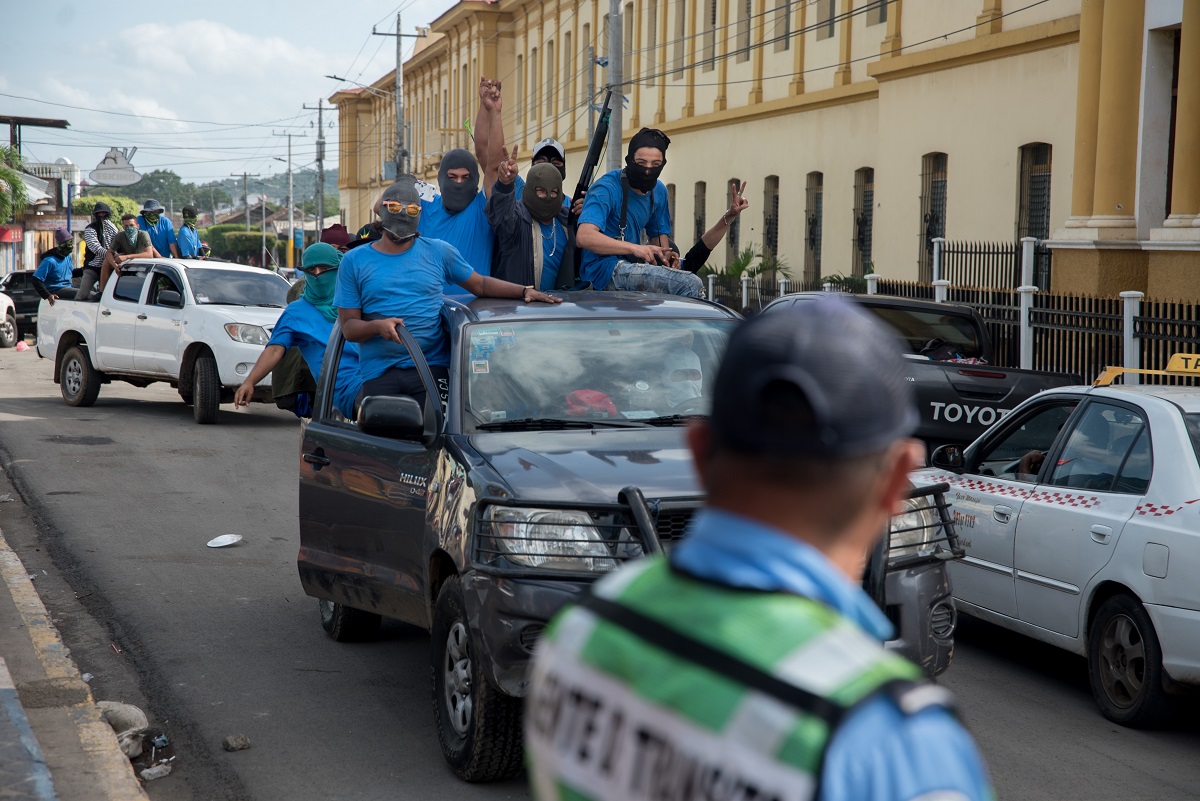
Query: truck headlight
point(548, 538)
point(914, 531)
point(245, 332)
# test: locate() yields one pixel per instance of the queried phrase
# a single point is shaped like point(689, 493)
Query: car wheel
point(206, 390)
point(77, 379)
point(1125, 664)
point(8, 331)
point(345, 624)
point(478, 727)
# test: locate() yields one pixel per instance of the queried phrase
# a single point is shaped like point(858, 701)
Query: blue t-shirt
point(55, 271)
point(602, 208)
point(162, 235)
point(879, 753)
point(554, 242)
point(468, 231)
point(188, 243)
point(408, 286)
point(303, 326)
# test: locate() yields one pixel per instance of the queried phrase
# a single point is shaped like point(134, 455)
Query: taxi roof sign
point(1185, 365)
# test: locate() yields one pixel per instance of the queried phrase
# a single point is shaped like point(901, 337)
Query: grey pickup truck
point(958, 400)
point(560, 454)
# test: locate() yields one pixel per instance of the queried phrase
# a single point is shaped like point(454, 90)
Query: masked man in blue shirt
point(618, 207)
point(52, 279)
point(162, 233)
point(456, 215)
point(188, 241)
point(398, 281)
point(751, 653)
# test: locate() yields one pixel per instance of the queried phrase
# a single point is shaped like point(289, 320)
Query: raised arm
point(496, 151)
point(483, 123)
point(713, 236)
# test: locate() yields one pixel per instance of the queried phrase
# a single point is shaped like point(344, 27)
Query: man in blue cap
point(750, 657)
point(162, 233)
point(307, 325)
point(53, 275)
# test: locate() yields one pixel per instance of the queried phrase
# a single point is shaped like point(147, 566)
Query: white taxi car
point(1080, 517)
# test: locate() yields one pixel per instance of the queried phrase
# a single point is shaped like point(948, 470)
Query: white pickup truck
point(197, 325)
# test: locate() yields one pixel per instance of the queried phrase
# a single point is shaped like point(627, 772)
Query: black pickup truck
point(18, 285)
point(958, 401)
point(559, 456)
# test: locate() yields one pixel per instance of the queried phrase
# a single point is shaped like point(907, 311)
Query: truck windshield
point(657, 371)
point(237, 288)
point(918, 327)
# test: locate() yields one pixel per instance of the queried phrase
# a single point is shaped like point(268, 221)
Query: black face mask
point(643, 179)
point(456, 196)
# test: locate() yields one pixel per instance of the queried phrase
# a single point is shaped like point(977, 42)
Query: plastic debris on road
point(22, 346)
point(87, 678)
point(236, 742)
point(160, 741)
point(7, 498)
point(225, 540)
point(156, 772)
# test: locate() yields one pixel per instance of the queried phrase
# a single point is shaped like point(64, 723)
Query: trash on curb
point(160, 741)
point(156, 772)
point(236, 742)
point(225, 540)
point(87, 678)
point(7, 498)
point(128, 722)
point(22, 346)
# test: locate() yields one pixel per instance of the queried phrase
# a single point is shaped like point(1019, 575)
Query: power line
point(150, 116)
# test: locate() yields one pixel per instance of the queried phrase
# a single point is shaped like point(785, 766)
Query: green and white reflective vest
point(720, 694)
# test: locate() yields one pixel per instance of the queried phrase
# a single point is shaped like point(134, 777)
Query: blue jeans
point(636, 277)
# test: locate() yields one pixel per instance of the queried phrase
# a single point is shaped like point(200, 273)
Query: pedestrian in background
point(162, 233)
point(750, 660)
point(188, 241)
point(53, 274)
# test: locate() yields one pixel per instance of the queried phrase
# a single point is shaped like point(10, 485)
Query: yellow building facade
point(863, 128)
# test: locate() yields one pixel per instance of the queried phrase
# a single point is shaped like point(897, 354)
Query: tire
point(1125, 665)
point(478, 727)
point(206, 389)
point(77, 379)
point(345, 624)
point(8, 331)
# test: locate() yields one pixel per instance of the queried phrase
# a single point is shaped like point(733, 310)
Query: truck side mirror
point(170, 298)
point(394, 417)
point(948, 457)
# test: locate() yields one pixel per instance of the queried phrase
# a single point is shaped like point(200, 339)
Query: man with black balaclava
point(619, 207)
point(98, 237)
point(52, 279)
point(188, 241)
point(531, 229)
point(456, 216)
point(398, 281)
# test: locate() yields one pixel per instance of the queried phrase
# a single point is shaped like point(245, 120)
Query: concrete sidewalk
point(54, 745)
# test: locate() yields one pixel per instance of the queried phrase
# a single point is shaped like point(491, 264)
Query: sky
point(203, 87)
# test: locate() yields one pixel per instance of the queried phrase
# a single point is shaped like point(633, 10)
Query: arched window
point(1033, 191)
point(771, 218)
point(733, 239)
point(864, 219)
point(814, 219)
point(698, 211)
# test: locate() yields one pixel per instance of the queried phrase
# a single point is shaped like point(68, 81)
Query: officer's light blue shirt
point(554, 242)
point(602, 208)
point(878, 754)
point(408, 286)
point(55, 271)
point(468, 231)
point(188, 243)
point(162, 234)
point(303, 326)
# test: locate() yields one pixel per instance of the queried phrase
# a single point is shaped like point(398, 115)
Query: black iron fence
point(1164, 328)
point(992, 264)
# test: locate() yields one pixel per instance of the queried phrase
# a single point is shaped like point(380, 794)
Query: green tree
point(13, 198)
point(83, 206)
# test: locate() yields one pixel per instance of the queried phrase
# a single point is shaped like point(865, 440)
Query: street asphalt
point(121, 498)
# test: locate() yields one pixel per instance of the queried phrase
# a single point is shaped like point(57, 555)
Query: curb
point(113, 778)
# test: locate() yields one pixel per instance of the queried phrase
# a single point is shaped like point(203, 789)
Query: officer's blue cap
point(843, 369)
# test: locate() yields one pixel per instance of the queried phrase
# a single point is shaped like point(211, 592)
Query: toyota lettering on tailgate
point(955, 412)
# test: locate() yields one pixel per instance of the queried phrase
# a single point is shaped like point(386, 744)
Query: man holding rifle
point(619, 207)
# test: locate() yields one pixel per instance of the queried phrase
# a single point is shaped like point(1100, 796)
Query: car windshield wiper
point(553, 423)
point(269, 305)
point(670, 419)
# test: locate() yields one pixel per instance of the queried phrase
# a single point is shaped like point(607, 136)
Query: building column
point(1185, 176)
point(760, 26)
point(635, 64)
point(892, 42)
point(989, 21)
point(660, 115)
point(1087, 113)
point(689, 75)
point(841, 77)
point(722, 35)
point(796, 85)
point(1117, 132)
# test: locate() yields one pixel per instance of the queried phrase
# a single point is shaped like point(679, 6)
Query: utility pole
point(246, 176)
point(262, 262)
point(616, 83)
point(320, 165)
point(291, 204)
point(401, 150)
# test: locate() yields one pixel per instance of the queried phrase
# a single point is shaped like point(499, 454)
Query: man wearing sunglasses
point(307, 325)
point(619, 207)
point(399, 281)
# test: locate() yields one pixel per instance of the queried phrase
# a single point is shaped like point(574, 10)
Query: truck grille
point(671, 524)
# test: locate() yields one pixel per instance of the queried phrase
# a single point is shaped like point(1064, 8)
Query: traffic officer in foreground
point(749, 663)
